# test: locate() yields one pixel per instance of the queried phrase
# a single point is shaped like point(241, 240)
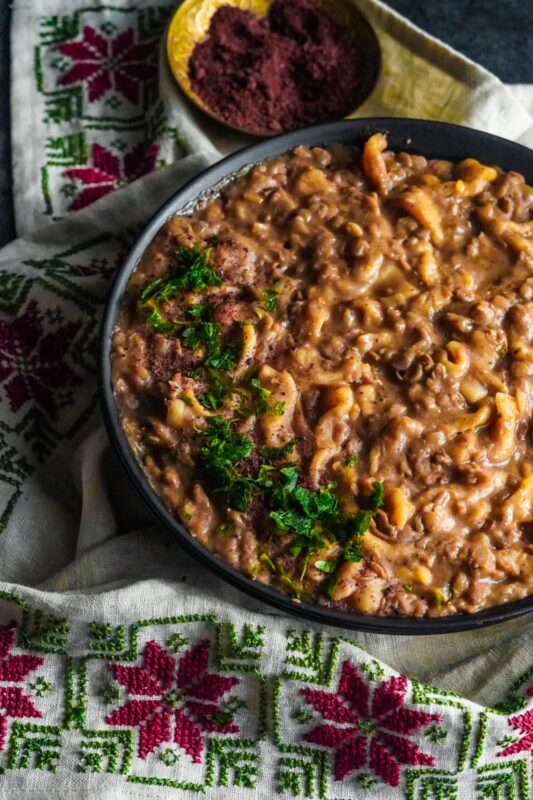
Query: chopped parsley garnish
point(324, 566)
point(283, 489)
point(291, 520)
point(303, 512)
point(353, 550)
point(375, 500)
point(218, 457)
point(408, 587)
point(311, 517)
point(223, 357)
point(269, 298)
point(200, 310)
point(202, 332)
point(260, 400)
point(277, 453)
point(260, 396)
point(156, 320)
point(358, 525)
point(193, 271)
point(318, 505)
point(220, 387)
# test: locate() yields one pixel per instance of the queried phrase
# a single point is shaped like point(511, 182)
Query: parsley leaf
point(321, 504)
point(283, 489)
point(375, 500)
point(276, 453)
point(351, 460)
point(223, 357)
point(239, 493)
point(156, 320)
point(353, 550)
point(220, 387)
point(261, 395)
point(195, 269)
point(358, 525)
point(324, 566)
point(202, 333)
point(264, 477)
point(279, 409)
point(291, 521)
point(269, 298)
point(360, 522)
point(201, 311)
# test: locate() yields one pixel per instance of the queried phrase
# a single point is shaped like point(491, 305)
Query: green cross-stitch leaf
point(13, 291)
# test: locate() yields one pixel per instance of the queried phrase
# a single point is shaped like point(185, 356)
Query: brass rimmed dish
point(191, 22)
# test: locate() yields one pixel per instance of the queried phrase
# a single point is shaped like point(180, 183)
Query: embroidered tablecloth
point(126, 670)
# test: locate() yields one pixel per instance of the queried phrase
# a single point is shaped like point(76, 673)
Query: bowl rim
point(439, 140)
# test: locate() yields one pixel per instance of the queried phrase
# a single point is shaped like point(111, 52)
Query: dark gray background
point(496, 33)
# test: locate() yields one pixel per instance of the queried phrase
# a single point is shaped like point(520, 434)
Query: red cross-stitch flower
point(107, 172)
point(524, 724)
point(120, 63)
point(183, 696)
point(32, 359)
point(13, 669)
point(370, 727)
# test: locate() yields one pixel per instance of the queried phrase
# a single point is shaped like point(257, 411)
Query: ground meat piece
point(403, 603)
point(520, 318)
point(228, 312)
point(312, 406)
point(382, 527)
point(167, 356)
point(305, 446)
point(234, 262)
point(175, 309)
point(430, 467)
point(277, 549)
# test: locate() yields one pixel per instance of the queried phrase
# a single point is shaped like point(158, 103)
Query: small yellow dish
point(191, 22)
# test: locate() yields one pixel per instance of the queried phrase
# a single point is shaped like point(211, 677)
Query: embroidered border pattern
point(96, 69)
point(185, 702)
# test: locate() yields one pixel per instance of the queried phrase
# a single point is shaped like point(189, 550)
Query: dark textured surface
point(7, 228)
point(496, 33)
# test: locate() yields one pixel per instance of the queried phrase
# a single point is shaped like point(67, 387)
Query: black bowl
point(432, 139)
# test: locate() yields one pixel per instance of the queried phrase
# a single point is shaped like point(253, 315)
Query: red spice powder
point(293, 68)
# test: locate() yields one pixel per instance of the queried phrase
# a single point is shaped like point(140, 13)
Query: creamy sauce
point(384, 303)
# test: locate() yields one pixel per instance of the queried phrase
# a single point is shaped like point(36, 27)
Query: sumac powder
point(292, 68)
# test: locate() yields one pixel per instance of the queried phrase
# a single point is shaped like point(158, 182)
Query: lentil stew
point(325, 371)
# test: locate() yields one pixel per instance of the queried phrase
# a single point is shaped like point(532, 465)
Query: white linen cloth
point(126, 670)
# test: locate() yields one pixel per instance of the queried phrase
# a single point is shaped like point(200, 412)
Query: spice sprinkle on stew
point(326, 373)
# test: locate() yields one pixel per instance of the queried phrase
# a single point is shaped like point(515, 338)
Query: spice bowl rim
point(432, 139)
